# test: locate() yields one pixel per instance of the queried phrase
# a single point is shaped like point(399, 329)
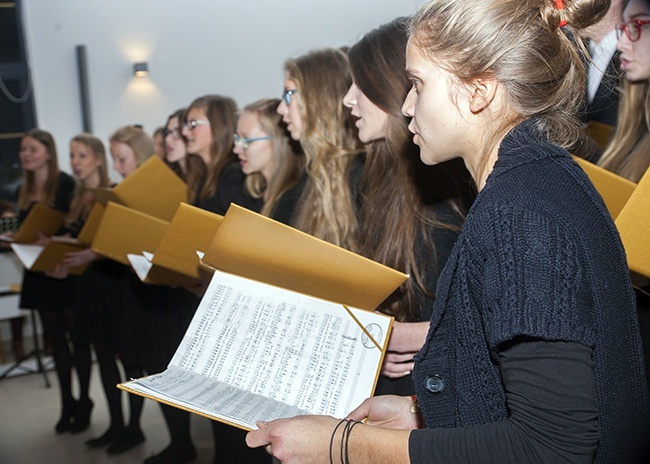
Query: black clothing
point(527, 373)
point(230, 189)
point(39, 291)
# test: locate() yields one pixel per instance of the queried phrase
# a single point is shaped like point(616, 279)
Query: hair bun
point(578, 14)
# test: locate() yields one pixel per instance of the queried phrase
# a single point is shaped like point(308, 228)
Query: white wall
point(193, 47)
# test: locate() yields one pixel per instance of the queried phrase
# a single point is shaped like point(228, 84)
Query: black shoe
point(107, 438)
point(173, 455)
point(82, 416)
point(126, 441)
point(67, 418)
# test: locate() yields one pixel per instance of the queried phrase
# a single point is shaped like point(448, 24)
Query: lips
point(625, 64)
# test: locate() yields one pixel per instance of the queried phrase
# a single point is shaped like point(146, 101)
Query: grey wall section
point(230, 47)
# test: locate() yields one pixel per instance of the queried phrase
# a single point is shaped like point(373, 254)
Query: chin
point(364, 138)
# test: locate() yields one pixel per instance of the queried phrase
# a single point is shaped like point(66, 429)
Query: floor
point(29, 410)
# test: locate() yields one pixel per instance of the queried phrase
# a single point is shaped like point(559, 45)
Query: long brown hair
point(327, 207)
point(27, 191)
point(195, 168)
point(288, 165)
point(628, 153)
point(79, 209)
point(396, 224)
point(221, 112)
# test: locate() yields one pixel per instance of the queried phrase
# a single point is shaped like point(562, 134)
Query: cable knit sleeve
point(535, 277)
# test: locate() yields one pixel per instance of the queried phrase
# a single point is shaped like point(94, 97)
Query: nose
point(348, 98)
point(282, 108)
point(185, 131)
point(623, 43)
point(408, 105)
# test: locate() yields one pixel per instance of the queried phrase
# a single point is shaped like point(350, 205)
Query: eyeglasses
point(175, 133)
point(286, 96)
point(242, 142)
point(632, 29)
point(192, 123)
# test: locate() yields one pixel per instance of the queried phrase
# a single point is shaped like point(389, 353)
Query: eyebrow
point(411, 72)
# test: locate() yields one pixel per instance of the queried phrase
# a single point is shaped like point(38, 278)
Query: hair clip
point(560, 7)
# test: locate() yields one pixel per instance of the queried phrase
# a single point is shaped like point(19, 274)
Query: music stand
point(36, 353)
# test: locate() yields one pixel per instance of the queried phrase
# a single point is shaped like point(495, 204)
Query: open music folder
point(40, 219)
point(285, 327)
point(633, 223)
point(38, 258)
point(255, 352)
point(153, 189)
point(614, 189)
point(124, 230)
point(175, 261)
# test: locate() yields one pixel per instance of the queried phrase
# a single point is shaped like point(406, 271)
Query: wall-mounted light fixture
point(141, 69)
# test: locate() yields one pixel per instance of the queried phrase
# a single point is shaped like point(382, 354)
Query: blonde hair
point(78, 208)
point(137, 140)
point(326, 208)
point(287, 164)
point(27, 192)
point(520, 44)
point(628, 153)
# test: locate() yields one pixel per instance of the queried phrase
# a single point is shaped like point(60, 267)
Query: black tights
point(56, 325)
point(110, 374)
point(136, 402)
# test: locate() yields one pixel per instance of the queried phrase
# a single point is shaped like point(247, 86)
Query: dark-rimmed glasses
point(242, 142)
point(192, 123)
point(286, 96)
point(632, 29)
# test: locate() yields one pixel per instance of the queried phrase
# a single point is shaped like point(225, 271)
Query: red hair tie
point(560, 8)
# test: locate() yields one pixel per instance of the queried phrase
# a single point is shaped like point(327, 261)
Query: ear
point(482, 93)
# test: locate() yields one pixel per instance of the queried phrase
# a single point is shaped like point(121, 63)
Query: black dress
point(107, 310)
point(39, 291)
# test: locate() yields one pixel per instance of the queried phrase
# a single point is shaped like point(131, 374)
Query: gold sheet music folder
point(175, 260)
point(633, 223)
point(124, 230)
point(614, 189)
point(40, 219)
point(257, 350)
point(37, 258)
point(629, 205)
point(153, 189)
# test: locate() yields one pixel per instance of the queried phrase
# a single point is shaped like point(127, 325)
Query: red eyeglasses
point(632, 29)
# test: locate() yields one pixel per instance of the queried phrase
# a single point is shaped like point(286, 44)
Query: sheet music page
point(285, 349)
point(27, 254)
point(213, 398)
point(140, 264)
